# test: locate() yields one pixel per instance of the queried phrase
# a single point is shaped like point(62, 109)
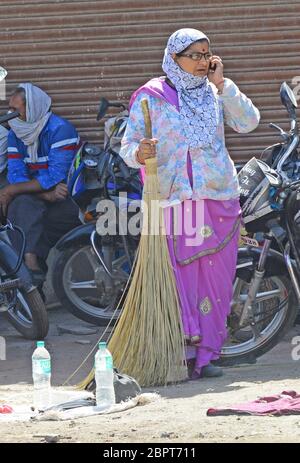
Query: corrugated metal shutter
point(79, 50)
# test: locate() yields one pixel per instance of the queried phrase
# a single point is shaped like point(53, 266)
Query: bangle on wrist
point(220, 83)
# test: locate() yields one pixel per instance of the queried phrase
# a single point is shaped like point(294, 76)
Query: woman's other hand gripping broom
point(146, 149)
point(147, 146)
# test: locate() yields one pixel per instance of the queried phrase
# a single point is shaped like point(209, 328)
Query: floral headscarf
point(197, 102)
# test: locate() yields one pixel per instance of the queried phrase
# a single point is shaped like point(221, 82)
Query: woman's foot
point(194, 341)
point(211, 371)
point(208, 371)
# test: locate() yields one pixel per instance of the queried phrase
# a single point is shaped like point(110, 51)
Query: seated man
point(41, 146)
point(3, 154)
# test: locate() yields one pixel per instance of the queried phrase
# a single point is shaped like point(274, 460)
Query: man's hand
point(59, 193)
point(7, 194)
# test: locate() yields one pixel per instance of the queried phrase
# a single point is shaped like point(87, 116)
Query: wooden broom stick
point(147, 118)
point(150, 163)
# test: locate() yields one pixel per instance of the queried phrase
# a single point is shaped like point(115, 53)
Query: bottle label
point(42, 367)
point(104, 363)
point(109, 363)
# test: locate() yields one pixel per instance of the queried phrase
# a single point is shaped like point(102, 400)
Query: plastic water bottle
point(104, 376)
point(41, 374)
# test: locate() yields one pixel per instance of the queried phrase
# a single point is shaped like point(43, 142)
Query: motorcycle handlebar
point(117, 105)
point(104, 105)
point(294, 126)
point(290, 149)
point(7, 117)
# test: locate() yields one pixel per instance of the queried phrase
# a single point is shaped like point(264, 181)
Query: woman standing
point(198, 183)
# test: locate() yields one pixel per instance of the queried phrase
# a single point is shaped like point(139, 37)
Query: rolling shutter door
point(80, 50)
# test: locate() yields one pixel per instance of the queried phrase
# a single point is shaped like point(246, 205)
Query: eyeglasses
point(196, 56)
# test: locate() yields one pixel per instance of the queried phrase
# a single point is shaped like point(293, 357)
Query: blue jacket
point(58, 143)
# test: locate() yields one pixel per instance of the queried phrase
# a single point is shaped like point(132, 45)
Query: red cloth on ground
point(286, 403)
point(5, 409)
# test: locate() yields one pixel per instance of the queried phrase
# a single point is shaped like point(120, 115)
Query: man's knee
point(3, 179)
point(26, 202)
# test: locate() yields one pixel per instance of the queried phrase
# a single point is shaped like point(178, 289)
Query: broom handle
point(147, 118)
point(150, 163)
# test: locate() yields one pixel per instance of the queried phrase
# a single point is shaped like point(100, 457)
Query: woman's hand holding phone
point(215, 73)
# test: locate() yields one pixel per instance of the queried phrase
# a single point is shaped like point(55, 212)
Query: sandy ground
point(180, 416)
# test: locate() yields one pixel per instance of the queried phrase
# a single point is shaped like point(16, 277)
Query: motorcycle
point(266, 288)
point(20, 302)
point(91, 271)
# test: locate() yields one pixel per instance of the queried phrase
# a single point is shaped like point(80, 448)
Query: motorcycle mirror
point(3, 73)
point(103, 106)
point(288, 99)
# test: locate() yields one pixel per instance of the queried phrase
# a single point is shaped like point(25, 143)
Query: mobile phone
point(212, 67)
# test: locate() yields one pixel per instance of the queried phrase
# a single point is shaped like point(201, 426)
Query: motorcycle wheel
point(77, 281)
point(276, 309)
point(28, 315)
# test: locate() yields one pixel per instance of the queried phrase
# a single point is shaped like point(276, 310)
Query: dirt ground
point(179, 417)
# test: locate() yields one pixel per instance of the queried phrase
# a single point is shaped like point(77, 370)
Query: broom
point(148, 342)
